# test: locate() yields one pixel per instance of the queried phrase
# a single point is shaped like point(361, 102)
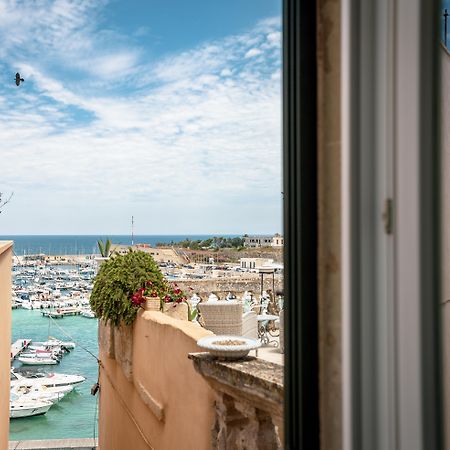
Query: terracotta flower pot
point(152, 304)
point(176, 310)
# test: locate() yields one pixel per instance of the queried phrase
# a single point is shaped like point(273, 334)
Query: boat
point(88, 313)
point(24, 408)
point(33, 360)
point(54, 343)
point(51, 394)
point(44, 379)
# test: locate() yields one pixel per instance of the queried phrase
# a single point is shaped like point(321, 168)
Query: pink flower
point(177, 291)
point(167, 299)
point(149, 283)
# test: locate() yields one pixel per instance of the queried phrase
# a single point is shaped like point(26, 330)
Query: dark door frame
point(300, 224)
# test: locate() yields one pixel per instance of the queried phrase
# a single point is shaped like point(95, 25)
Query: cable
point(70, 337)
point(95, 415)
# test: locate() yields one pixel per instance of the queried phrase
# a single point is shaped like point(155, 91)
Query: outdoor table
point(263, 334)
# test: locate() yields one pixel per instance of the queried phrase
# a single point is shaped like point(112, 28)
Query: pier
point(19, 346)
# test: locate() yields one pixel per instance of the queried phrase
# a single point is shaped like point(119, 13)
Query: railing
point(5, 337)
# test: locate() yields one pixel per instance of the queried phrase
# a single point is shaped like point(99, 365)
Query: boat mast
point(132, 230)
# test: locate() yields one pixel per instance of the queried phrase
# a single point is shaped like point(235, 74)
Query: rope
point(71, 338)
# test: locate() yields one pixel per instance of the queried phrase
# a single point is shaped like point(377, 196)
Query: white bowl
point(231, 351)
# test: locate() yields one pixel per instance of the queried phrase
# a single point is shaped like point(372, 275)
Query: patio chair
point(227, 317)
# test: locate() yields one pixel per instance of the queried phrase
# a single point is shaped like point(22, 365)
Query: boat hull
point(17, 411)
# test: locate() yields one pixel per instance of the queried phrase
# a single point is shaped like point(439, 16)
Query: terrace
point(160, 392)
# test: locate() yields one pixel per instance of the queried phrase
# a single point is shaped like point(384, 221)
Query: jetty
point(62, 312)
point(19, 346)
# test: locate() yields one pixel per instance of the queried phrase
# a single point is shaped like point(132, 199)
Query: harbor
point(73, 416)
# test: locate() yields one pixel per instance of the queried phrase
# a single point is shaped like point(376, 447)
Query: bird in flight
point(18, 79)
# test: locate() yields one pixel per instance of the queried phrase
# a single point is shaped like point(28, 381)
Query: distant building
point(264, 241)
point(167, 255)
point(255, 263)
point(277, 240)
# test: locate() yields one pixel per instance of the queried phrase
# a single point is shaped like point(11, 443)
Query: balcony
point(158, 391)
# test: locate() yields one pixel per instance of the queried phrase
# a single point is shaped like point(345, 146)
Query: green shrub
point(117, 280)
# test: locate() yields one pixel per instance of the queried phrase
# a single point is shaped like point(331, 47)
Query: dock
point(62, 312)
point(53, 314)
point(19, 346)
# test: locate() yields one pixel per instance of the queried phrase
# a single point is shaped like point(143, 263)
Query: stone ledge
point(55, 444)
point(255, 377)
point(249, 402)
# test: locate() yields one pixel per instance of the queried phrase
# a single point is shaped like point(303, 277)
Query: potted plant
point(118, 279)
point(105, 250)
point(166, 297)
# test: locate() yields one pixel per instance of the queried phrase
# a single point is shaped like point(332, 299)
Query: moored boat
point(33, 360)
point(45, 379)
point(36, 393)
point(23, 408)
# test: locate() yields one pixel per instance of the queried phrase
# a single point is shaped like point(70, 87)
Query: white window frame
point(390, 291)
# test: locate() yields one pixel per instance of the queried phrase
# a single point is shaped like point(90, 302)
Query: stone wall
point(238, 285)
point(249, 402)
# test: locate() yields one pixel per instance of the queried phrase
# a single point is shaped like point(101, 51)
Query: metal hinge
point(388, 216)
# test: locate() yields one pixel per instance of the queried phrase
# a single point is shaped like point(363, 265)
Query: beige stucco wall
point(5, 338)
point(329, 165)
point(161, 369)
point(445, 227)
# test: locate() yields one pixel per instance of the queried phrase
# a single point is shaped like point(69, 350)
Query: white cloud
point(196, 131)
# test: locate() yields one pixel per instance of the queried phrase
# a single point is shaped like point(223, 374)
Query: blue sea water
point(85, 244)
point(75, 415)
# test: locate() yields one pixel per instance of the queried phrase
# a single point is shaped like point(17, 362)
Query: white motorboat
point(22, 408)
point(53, 343)
point(45, 379)
point(27, 305)
point(88, 313)
point(34, 360)
point(51, 394)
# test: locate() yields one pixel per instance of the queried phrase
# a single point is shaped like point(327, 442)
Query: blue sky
point(168, 111)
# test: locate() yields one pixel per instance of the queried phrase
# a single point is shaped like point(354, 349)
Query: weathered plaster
point(165, 404)
point(5, 338)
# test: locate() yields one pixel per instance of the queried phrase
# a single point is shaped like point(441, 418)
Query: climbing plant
point(117, 280)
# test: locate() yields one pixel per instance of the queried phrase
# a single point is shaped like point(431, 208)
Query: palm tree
point(105, 248)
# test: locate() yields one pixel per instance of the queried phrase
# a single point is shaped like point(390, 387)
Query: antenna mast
point(132, 230)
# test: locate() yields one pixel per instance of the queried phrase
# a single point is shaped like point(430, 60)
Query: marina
point(74, 415)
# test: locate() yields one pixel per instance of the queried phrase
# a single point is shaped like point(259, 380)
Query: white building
point(264, 241)
point(255, 263)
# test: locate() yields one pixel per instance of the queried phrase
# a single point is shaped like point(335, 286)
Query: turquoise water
point(74, 416)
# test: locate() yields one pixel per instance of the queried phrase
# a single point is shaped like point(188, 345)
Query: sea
point(75, 416)
point(87, 244)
